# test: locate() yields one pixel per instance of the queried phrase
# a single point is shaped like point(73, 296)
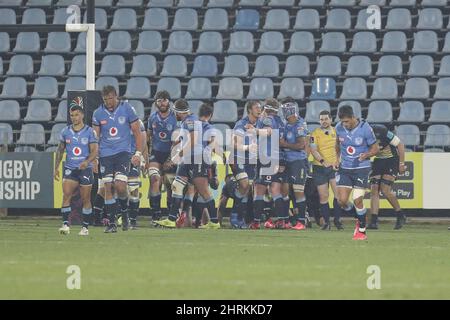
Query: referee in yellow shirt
point(325, 165)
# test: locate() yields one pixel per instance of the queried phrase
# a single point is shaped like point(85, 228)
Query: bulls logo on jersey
point(76, 151)
point(113, 131)
point(351, 150)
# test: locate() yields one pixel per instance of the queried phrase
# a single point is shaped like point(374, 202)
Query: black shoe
point(372, 226)
point(338, 225)
point(326, 227)
point(401, 220)
point(133, 225)
point(112, 228)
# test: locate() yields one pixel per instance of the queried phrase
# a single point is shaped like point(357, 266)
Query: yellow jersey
point(325, 143)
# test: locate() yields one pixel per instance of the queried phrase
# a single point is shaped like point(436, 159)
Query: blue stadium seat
point(430, 18)
point(27, 42)
point(230, 88)
point(323, 89)
point(4, 42)
point(236, 66)
point(65, 3)
point(409, 134)
point(138, 88)
point(180, 42)
point(14, 88)
point(7, 16)
point(171, 85)
point(129, 3)
point(31, 134)
point(338, 19)
point(190, 3)
point(421, 65)
point(364, 16)
point(313, 109)
point(402, 3)
point(156, 19)
point(266, 66)
point(281, 3)
point(277, 19)
point(359, 66)
point(307, 19)
point(271, 42)
point(372, 2)
point(440, 111)
point(204, 66)
point(112, 65)
point(58, 42)
point(25, 149)
point(260, 88)
point(399, 19)
point(292, 87)
point(33, 16)
point(390, 65)
point(411, 111)
point(442, 89)
point(438, 135)
point(220, 3)
point(379, 112)
point(210, 42)
point(124, 19)
point(241, 42)
point(342, 3)
point(333, 42)
point(384, 89)
point(56, 131)
point(9, 110)
point(118, 42)
point(101, 19)
point(251, 3)
point(144, 66)
point(185, 19)
point(61, 114)
point(42, 3)
point(425, 42)
point(446, 47)
point(138, 107)
point(296, 66)
point(52, 65)
point(194, 106)
point(364, 42)
point(328, 66)
point(354, 89)
point(394, 41)
point(417, 88)
point(149, 42)
point(215, 19)
point(247, 19)
point(225, 111)
point(160, 3)
point(302, 42)
point(45, 88)
point(174, 66)
point(444, 69)
point(434, 3)
point(74, 83)
point(78, 66)
point(199, 88)
point(61, 16)
point(38, 111)
point(20, 65)
point(6, 133)
point(312, 3)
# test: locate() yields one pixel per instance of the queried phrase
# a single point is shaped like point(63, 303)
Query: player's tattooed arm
point(300, 144)
point(373, 150)
point(58, 158)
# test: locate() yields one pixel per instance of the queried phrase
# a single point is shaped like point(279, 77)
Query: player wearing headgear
point(116, 123)
point(192, 167)
point(243, 159)
point(134, 180)
point(269, 129)
point(161, 125)
point(355, 144)
point(294, 144)
point(80, 143)
point(388, 163)
point(323, 149)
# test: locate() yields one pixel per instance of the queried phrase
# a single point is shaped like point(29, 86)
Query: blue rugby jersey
point(77, 145)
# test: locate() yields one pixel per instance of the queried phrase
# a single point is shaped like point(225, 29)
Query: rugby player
point(80, 143)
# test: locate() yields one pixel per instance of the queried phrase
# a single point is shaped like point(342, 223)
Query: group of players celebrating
point(267, 164)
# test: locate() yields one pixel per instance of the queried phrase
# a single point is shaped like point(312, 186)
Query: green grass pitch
point(152, 263)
